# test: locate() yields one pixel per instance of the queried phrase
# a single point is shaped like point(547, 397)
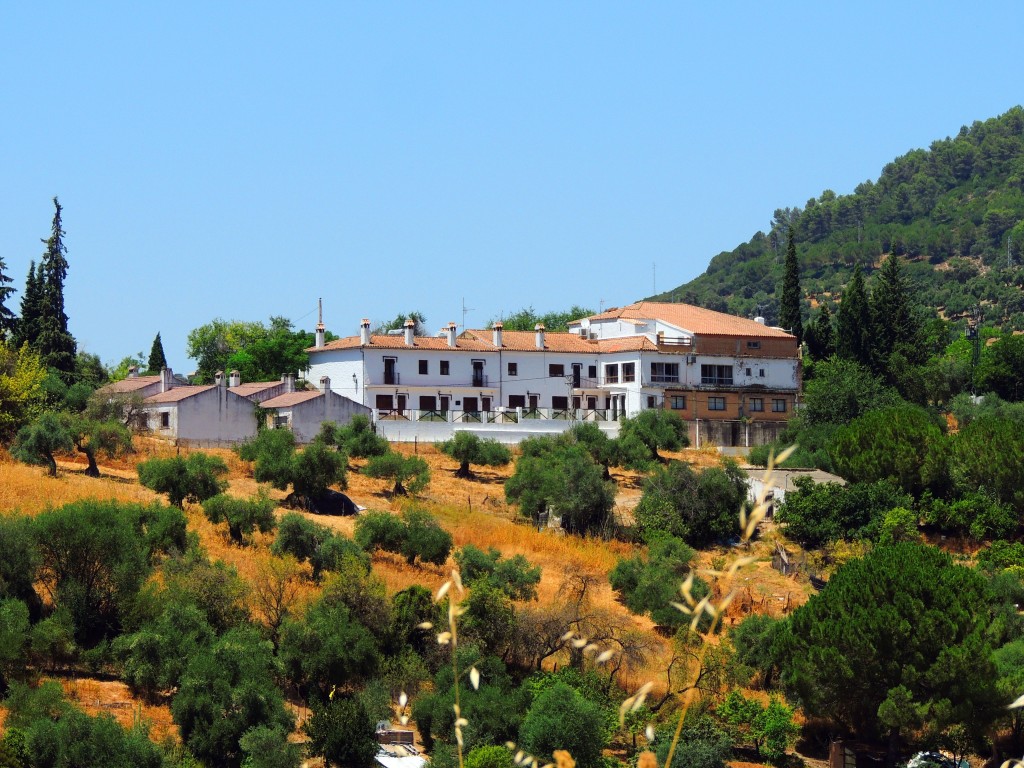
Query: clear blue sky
point(241, 160)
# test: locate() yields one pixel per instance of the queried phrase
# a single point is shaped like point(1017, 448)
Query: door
point(534, 402)
point(470, 404)
point(516, 401)
point(478, 374)
point(485, 402)
point(445, 403)
point(401, 403)
point(575, 403)
point(591, 403)
point(577, 373)
point(390, 377)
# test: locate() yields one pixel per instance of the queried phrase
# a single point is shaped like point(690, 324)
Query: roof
point(176, 394)
point(290, 398)
point(690, 318)
point(398, 342)
point(526, 341)
point(254, 387)
point(131, 384)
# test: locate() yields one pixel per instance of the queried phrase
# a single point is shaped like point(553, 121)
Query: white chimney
point(218, 378)
point(759, 319)
point(539, 328)
point(320, 324)
point(133, 372)
point(166, 379)
point(451, 334)
point(289, 383)
point(410, 332)
point(364, 332)
point(325, 384)
point(235, 379)
point(497, 334)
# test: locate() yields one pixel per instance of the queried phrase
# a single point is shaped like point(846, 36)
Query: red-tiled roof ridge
point(176, 394)
point(291, 398)
point(688, 318)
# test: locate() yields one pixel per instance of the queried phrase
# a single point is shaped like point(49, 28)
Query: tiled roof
point(131, 385)
point(526, 341)
point(398, 342)
point(690, 318)
point(254, 387)
point(176, 394)
point(290, 398)
point(627, 344)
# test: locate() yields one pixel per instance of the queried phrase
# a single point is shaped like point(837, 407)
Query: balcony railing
point(503, 416)
point(392, 377)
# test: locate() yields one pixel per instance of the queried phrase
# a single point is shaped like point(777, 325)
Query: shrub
point(514, 576)
point(818, 513)
point(415, 535)
point(467, 448)
point(243, 516)
point(649, 583)
point(410, 474)
point(194, 479)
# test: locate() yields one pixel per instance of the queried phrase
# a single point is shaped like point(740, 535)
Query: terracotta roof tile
point(131, 385)
point(398, 342)
point(176, 394)
point(253, 387)
point(290, 398)
point(690, 318)
point(526, 341)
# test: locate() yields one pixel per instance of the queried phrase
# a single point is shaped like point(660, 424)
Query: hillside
point(950, 210)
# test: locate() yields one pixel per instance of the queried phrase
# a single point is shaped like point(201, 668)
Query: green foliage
point(37, 442)
point(214, 587)
point(697, 507)
point(193, 479)
point(649, 583)
point(310, 472)
point(53, 341)
point(899, 524)
point(19, 560)
point(811, 441)
point(903, 444)
point(820, 335)
point(913, 618)
point(358, 438)
point(490, 757)
point(553, 476)
point(1001, 369)
point(415, 535)
point(526, 319)
point(266, 747)
point(1002, 555)
point(979, 514)
point(14, 641)
point(816, 513)
point(94, 562)
point(92, 437)
point(227, 690)
point(560, 718)
point(702, 744)
point(842, 390)
point(490, 619)
point(243, 516)
point(258, 352)
point(341, 731)
point(410, 474)
point(319, 546)
point(769, 728)
point(514, 575)
point(789, 306)
point(755, 642)
point(157, 358)
point(21, 388)
point(653, 428)
point(8, 320)
point(989, 453)
point(467, 448)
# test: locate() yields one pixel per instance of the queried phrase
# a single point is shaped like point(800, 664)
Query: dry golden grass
point(112, 698)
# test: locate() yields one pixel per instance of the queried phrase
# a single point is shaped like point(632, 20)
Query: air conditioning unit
point(691, 359)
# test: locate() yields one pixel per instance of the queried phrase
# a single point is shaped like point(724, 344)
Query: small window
point(779, 406)
point(424, 367)
point(716, 403)
point(748, 371)
point(760, 373)
point(556, 370)
point(756, 404)
point(592, 372)
point(628, 372)
point(611, 373)
point(650, 401)
point(513, 369)
point(165, 420)
point(444, 367)
point(678, 402)
point(753, 345)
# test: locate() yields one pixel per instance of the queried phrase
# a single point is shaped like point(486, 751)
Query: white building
point(722, 374)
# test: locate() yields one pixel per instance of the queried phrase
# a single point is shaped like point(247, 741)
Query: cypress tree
point(27, 330)
point(853, 321)
point(820, 336)
point(789, 310)
point(157, 360)
point(8, 320)
point(896, 322)
point(54, 342)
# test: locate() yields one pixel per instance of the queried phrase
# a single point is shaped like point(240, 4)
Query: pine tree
point(789, 310)
point(157, 360)
point(896, 323)
point(820, 336)
point(853, 321)
point(27, 330)
point(54, 342)
point(8, 320)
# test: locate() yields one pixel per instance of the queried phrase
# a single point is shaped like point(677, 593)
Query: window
point(716, 403)
point(424, 367)
point(560, 403)
point(165, 420)
point(779, 406)
point(650, 401)
point(678, 402)
point(628, 372)
point(716, 374)
point(748, 371)
point(556, 370)
point(592, 372)
point(611, 373)
point(756, 404)
point(664, 372)
point(760, 373)
point(513, 369)
point(753, 345)
point(444, 367)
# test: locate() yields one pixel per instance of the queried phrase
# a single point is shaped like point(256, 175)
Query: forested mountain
point(955, 211)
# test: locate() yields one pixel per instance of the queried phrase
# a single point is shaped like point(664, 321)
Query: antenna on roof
point(319, 311)
point(600, 306)
point(465, 309)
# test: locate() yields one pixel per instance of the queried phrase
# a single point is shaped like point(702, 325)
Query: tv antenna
point(465, 309)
